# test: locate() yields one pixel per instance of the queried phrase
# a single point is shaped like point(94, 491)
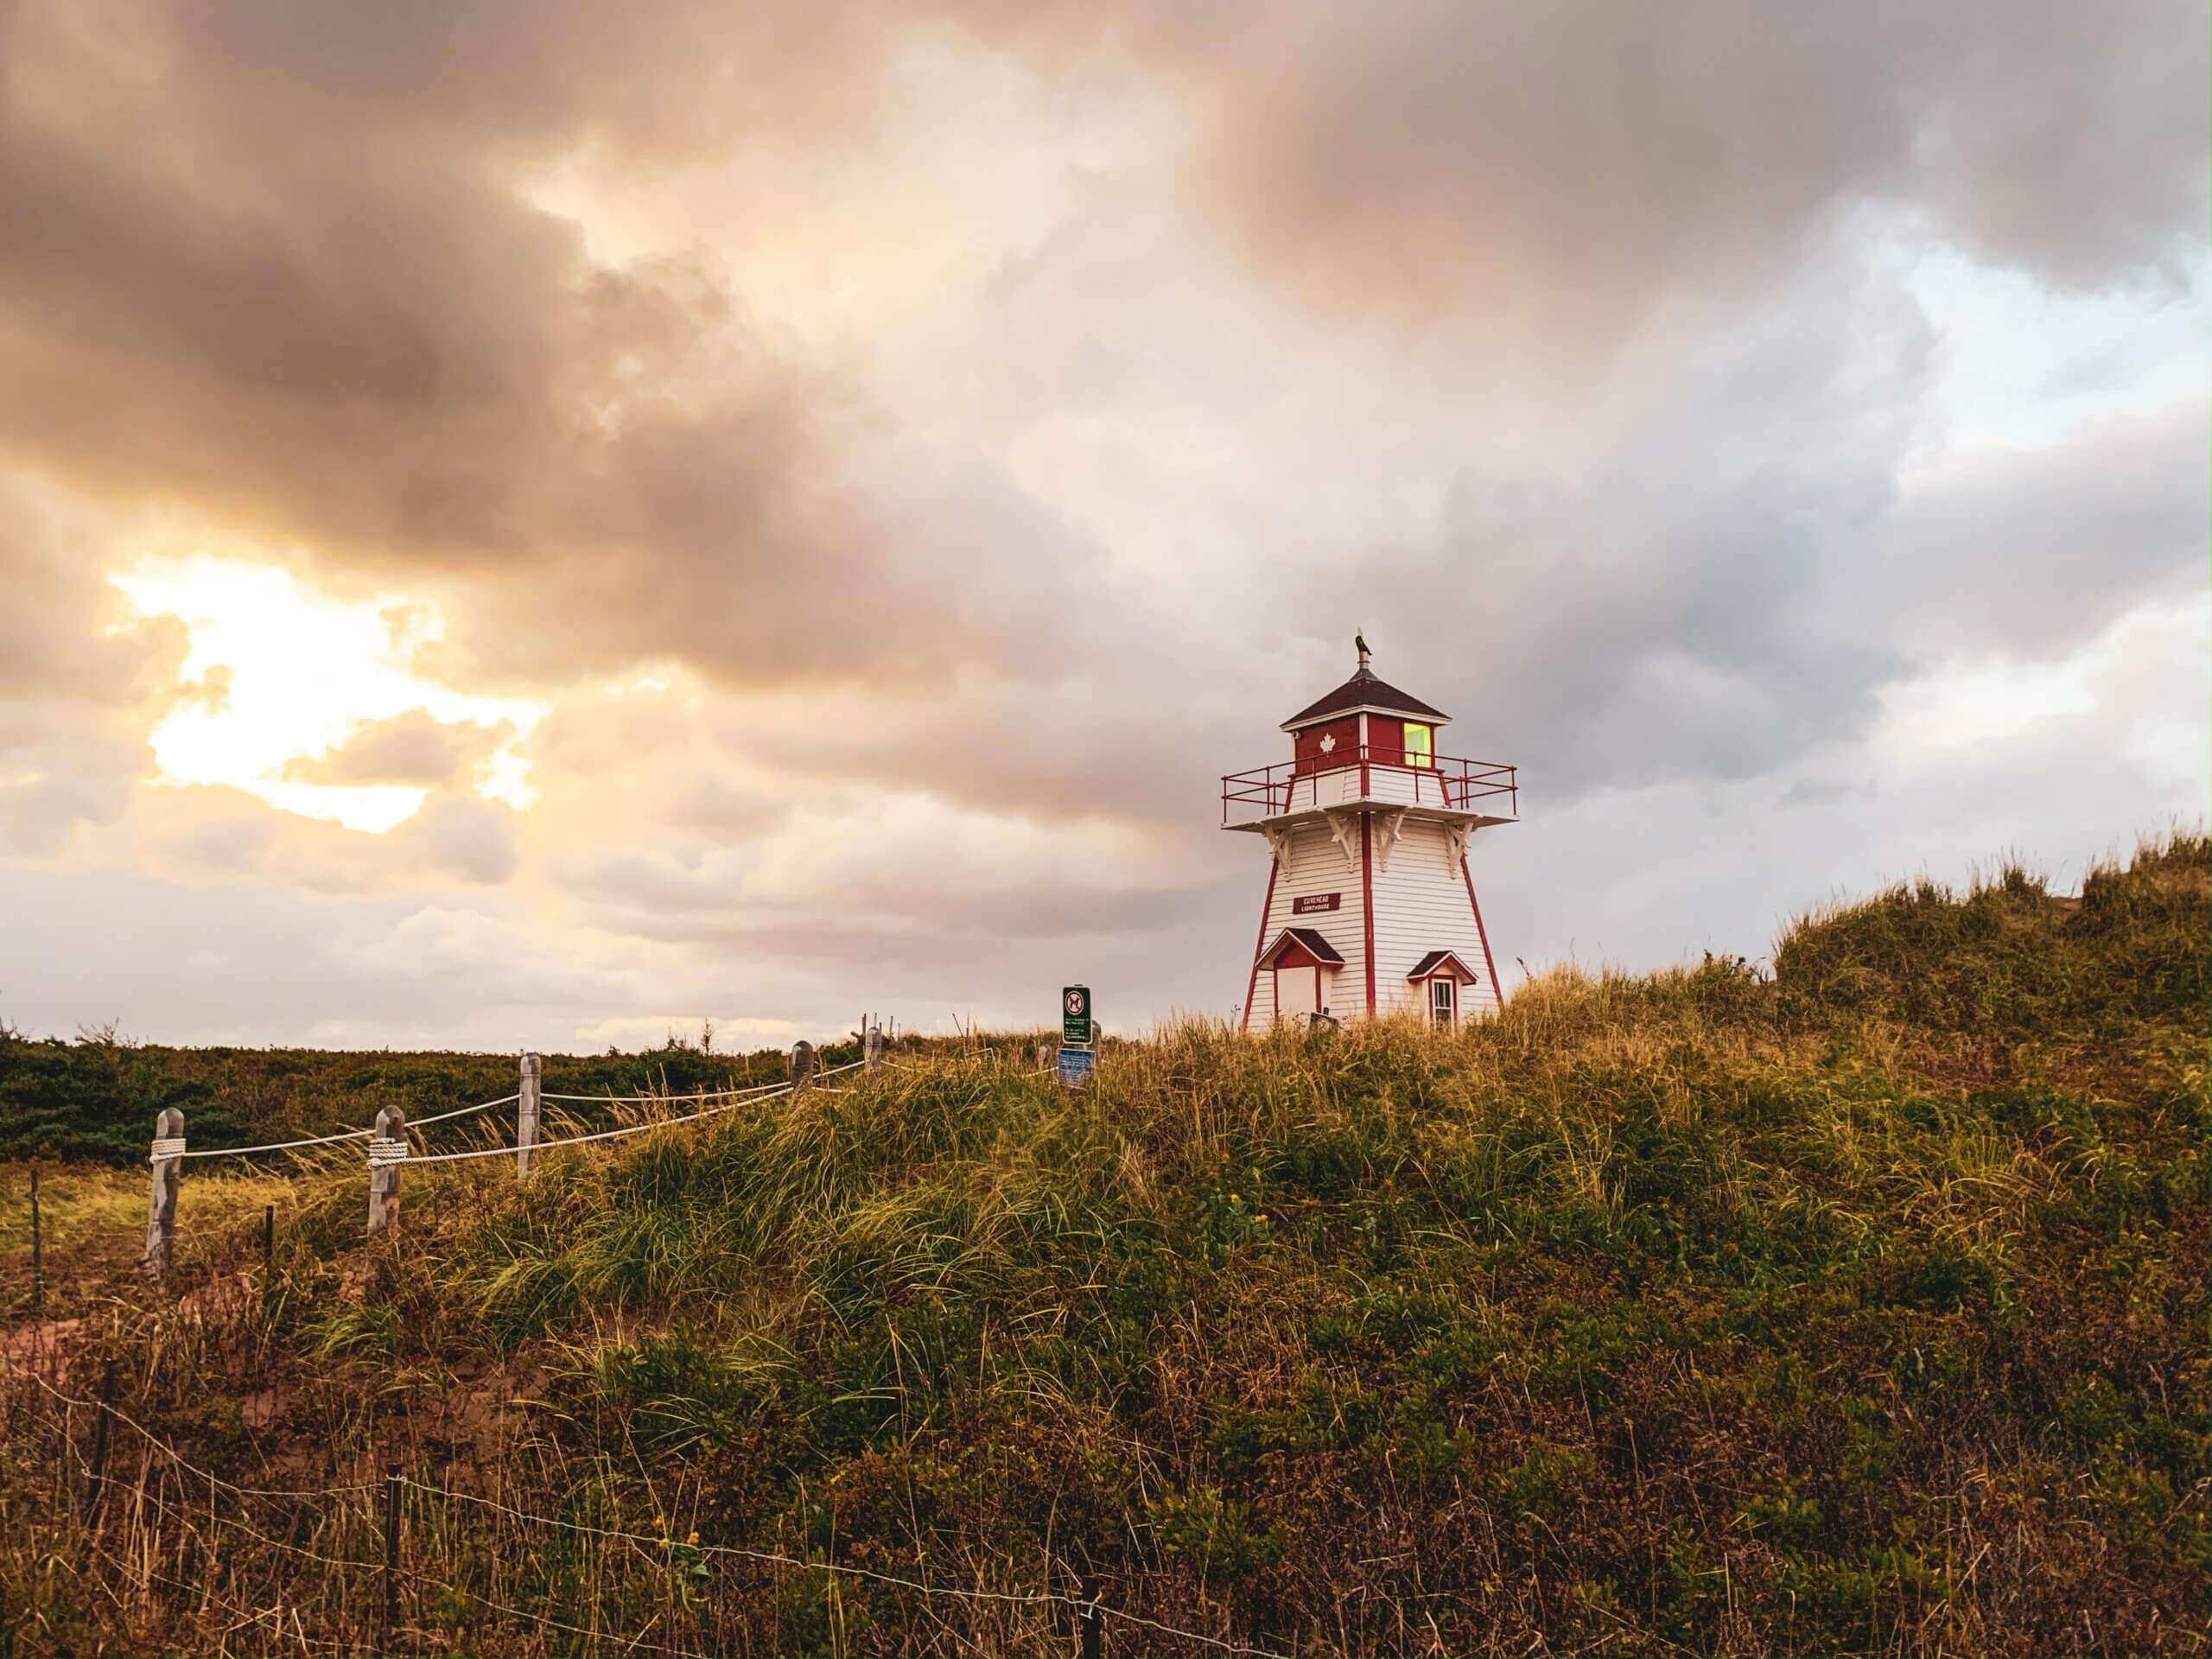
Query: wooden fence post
point(1092, 1625)
point(390, 1557)
point(872, 1049)
point(38, 1251)
point(387, 1151)
point(99, 1468)
point(802, 1065)
point(161, 1211)
point(526, 1116)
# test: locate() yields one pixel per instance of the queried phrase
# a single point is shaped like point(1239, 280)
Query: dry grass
point(1859, 1309)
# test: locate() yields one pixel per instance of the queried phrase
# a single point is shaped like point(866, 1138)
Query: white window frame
point(1443, 1010)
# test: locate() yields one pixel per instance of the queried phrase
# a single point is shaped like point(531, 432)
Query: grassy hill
point(1857, 1307)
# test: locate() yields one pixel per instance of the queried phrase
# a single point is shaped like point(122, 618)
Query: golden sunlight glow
point(292, 673)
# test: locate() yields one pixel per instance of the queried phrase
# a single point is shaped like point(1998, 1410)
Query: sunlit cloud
point(301, 672)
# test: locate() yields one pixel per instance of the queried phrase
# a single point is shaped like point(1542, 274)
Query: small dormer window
point(1417, 749)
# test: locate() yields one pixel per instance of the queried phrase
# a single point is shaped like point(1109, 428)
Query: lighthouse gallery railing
point(1289, 785)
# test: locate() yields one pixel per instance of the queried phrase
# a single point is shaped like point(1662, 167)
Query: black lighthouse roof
point(1364, 690)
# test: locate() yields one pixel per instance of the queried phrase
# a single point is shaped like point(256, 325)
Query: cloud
point(1552, 176)
point(415, 747)
point(909, 456)
point(81, 683)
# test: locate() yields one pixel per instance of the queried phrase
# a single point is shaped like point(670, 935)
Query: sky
point(539, 524)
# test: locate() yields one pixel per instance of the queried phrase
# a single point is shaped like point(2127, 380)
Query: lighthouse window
point(1443, 994)
point(1417, 753)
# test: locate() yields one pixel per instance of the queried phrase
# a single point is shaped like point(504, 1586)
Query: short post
point(1088, 1620)
point(97, 1469)
point(526, 1116)
point(1044, 1056)
point(38, 1251)
point(268, 1243)
point(161, 1213)
point(802, 1065)
point(871, 1050)
point(387, 1152)
point(390, 1557)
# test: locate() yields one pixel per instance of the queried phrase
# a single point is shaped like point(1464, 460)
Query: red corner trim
point(1498, 988)
point(1367, 905)
point(1274, 868)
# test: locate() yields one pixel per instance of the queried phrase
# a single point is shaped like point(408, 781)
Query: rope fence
point(388, 1150)
point(323, 1140)
point(1088, 1609)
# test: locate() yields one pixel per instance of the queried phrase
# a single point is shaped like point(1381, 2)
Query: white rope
point(654, 1100)
point(579, 1140)
point(167, 1147)
point(1026, 1598)
point(326, 1140)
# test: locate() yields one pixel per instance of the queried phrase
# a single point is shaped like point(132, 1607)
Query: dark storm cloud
point(1555, 173)
point(275, 259)
point(319, 307)
point(2030, 551)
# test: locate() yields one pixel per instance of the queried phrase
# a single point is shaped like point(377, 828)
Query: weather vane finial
point(1359, 640)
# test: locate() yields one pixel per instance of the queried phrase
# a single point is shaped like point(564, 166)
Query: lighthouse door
point(1298, 990)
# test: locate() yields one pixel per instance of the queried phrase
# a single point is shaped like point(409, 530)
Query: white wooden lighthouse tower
point(1371, 909)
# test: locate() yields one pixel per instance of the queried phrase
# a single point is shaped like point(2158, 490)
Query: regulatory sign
point(1075, 1016)
point(1076, 1064)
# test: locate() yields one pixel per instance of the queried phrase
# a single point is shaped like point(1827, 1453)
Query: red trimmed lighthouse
point(1371, 909)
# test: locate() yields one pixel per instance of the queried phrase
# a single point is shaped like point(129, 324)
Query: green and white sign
point(1075, 1016)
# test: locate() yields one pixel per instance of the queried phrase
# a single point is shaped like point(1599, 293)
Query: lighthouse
point(1370, 906)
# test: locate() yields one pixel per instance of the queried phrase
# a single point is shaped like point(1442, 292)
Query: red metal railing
point(1445, 782)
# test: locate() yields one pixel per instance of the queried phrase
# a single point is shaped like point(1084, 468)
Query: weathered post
point(168, 1160)
point(1092, 1625)
point(38, 1252)
point(390, 1557)
point(387, 1152)
point(802, 1065)
point(872, 1050)
point(268, 1243)
point(526, 1116)
point(97, 1469)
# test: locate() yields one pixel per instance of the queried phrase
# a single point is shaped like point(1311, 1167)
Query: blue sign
point(1076, 1065)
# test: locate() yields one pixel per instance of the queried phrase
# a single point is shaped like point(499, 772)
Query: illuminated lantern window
point(1417, 741)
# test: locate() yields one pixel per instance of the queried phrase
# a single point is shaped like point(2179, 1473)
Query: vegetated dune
point(1860, 1307)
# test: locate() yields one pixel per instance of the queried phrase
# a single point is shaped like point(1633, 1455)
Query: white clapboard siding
point(1317, 865)
point(1420, 905)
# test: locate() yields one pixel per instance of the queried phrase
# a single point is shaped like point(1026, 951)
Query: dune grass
point(1859, 1307)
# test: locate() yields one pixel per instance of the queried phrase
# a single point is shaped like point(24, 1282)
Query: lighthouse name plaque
point(1308, 903)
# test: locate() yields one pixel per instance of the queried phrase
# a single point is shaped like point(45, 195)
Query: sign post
point(1078, 1033)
